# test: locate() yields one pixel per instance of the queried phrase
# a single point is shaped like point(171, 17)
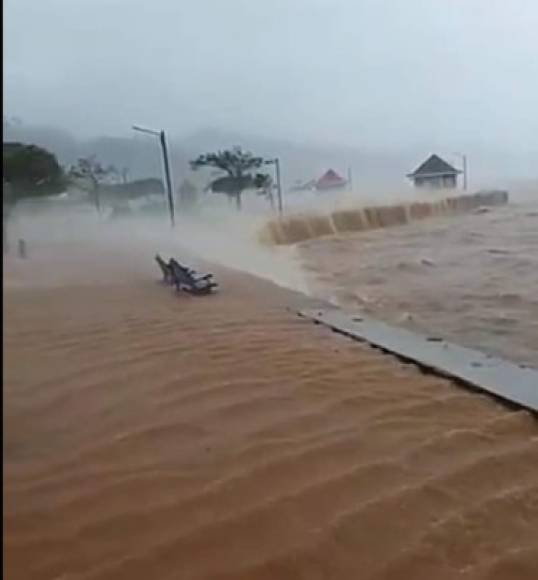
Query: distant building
point(300, 186)
point(330, 180)
point(435, 173)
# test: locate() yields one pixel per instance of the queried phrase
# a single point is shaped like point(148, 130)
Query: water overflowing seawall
point(297, 228)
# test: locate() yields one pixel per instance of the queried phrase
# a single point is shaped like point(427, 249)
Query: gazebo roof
point(434, 166)
point(330, 179)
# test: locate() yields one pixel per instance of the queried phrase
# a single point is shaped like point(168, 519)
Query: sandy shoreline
point(148, 435)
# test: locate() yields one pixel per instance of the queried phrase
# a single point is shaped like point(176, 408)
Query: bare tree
point(92, 174)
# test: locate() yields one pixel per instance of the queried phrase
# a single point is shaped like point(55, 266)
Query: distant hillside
point(300, 162)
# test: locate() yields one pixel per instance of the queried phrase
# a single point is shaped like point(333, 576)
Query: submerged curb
point(507, 381)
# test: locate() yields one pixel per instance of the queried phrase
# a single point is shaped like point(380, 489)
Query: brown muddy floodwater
point(156, 436)
point(472, 279)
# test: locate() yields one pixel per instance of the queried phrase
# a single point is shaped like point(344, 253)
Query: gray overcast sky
point(378, 73)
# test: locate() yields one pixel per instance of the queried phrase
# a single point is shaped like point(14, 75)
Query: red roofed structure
point(330, 180)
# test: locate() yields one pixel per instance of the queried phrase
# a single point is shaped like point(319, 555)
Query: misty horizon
point(372, 85)
point(373, 74)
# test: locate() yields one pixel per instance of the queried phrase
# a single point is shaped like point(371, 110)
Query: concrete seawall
point(298, 228)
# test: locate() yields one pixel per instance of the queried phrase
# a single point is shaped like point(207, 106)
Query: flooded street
point(155, 435)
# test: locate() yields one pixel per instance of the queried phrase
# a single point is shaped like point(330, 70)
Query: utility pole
point(166, 164)
point(276, 163)
point(97, 199)
point(350, 178)
point(464, 161)
point(279, 187)
point(168, 178)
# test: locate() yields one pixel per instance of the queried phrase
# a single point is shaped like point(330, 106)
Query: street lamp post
point(464, 161)
point(166, 164)
point(276, 163)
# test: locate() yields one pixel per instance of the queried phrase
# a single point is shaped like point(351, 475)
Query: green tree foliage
point(239, 166)
point(263, 182)
point(30, 171)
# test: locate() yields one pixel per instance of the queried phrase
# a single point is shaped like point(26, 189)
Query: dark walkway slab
point(513, 383)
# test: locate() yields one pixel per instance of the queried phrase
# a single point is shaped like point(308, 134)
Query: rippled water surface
point(471, 278)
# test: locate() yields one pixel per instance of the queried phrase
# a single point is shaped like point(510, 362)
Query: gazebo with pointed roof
point(330, 180)
point(435, 173)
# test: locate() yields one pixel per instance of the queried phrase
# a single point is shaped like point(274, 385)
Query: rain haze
point(381, 77)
